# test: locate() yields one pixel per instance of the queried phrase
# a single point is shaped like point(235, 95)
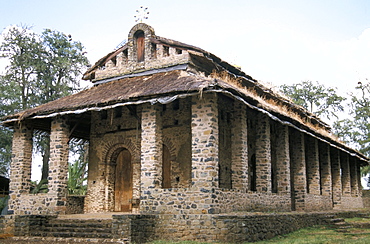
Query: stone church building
point(173, 129)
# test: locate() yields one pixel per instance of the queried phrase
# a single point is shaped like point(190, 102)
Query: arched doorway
point(123, 182)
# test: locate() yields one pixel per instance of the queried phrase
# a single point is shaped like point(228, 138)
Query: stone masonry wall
point(298, 169)
point(236, 228)
point(205, 137)
point(58, 164)
point(112, 130)
point(20, 171)
point(351, 203)
point(366, 198)
point(156, 56)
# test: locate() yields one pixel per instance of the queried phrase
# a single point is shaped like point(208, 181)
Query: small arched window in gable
point(140, 45)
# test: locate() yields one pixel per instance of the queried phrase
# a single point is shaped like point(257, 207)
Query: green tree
point(77, 170)
point(318, 99)
point(355, 130)
point(41, 68)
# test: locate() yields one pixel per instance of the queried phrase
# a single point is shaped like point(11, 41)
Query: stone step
point(336, 220)
point(330, 216)
point(37, 240)
point(364, 215)
point(78, 229)
point(79, 224)
point(81, 221)
point(72, 234)
point(75, 228)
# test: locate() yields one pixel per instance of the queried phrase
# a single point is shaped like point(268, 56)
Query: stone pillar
point(325, 169)
point(313, 166)
point(204, 132)
point(358, 173)
point(58, 163)
point(282, 159)
point(346, 182)
point(20, 168)
point(263, 154)
point(239, 148)
point(336, 177)
point(298, 170)
point(353, 176)
point(151, 149)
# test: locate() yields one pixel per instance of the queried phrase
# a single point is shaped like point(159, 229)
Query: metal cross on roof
point(141, 14)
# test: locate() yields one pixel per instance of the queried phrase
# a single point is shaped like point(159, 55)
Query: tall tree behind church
point(42, 67)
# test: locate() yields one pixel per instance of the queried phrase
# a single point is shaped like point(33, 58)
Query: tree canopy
point(355, 129)
point(315, 97)
point(42, 67)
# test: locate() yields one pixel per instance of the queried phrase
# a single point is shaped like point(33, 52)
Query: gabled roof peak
point(146, 51)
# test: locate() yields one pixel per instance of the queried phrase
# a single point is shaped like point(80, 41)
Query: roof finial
point(141, 14)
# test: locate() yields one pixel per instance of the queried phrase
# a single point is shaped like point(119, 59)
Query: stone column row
point(20, 177)
point(302, 164)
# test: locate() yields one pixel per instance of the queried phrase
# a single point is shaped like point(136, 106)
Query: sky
point(275, 42)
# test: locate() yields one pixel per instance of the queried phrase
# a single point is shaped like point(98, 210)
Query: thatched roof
point(161, 87)
point(118, 91)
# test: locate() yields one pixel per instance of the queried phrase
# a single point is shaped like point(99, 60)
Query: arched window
point(140, 46)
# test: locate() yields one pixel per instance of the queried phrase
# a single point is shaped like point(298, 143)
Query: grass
point(322, 234)
point(317, 234)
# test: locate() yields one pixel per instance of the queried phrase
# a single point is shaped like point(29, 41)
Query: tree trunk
point(45, 160)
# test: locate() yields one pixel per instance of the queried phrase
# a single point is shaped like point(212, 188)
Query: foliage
point(3, 202)
point(356, 129)
point(318, 99)
point(42, 68)
point(77, 171)
point(41, 187)
point(5, 150)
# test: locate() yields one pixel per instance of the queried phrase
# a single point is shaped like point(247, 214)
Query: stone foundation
point(221, 228)
point(351, 203)
point(75, 204)
point(366, 198)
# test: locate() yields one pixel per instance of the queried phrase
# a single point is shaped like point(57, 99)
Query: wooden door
point(123, 182)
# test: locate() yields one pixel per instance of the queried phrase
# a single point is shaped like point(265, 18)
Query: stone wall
point(351, 203)
point(366, 198)
point(198, 201)
point(156, 55)
point(221, 228)
point(230, 228)
point(75, 204)
point(318, 203)
point(7, 224)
